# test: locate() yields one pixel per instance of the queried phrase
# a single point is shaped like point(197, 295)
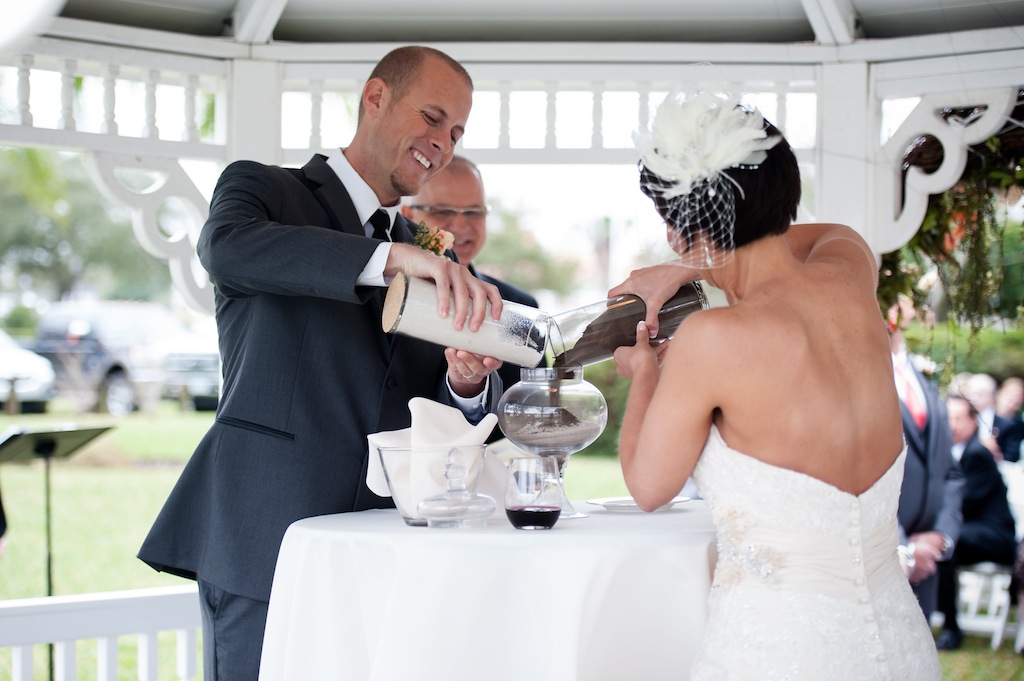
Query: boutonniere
point(435, 240)
point(925, 365)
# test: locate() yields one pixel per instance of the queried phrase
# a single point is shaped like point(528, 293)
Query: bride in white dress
point(782, 406)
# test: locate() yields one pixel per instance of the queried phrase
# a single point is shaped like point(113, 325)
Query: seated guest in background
point(1009, 399)
point(454, 200)
point(988, 532)
point(992, 428)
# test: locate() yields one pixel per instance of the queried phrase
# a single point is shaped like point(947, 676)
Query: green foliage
point(60, 233)
point(615, 389)
point(995, 351)
point(208, 118)
point(513, 254)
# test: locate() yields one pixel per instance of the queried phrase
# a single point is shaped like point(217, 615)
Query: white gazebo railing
point(65, 621)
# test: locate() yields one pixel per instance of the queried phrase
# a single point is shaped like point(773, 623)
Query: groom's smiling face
point(417, 131)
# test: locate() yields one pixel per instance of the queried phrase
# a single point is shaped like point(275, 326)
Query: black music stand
point(21, 444)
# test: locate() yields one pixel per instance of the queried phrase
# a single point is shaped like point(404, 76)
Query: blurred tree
point(21, 322)
point(513, 254)
point(60, 232)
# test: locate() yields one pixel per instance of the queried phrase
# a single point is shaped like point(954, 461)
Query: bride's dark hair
point(766, 199)
point(770, 193)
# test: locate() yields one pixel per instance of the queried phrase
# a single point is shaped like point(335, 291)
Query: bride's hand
point(655, 285)
point(632, 359)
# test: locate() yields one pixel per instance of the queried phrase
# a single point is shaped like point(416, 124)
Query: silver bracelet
point(907, 553)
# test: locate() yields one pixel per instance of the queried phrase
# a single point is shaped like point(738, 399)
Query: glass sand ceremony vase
point(553, 412)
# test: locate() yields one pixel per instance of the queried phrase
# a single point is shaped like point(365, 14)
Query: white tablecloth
point(616, 596)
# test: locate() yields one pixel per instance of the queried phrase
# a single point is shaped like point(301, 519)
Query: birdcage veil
point(692, 141)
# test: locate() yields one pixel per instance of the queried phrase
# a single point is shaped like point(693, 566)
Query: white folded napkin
point(434, 425)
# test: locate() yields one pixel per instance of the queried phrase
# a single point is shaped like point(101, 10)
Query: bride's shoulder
point(715, 332)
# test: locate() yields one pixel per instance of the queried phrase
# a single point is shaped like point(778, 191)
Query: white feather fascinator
point(682, 161)
point(697, 138)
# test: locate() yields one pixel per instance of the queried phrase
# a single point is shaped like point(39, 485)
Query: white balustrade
point(63, 621)
point(109, 99)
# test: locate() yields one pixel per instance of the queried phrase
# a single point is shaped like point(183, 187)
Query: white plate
point(628, 505)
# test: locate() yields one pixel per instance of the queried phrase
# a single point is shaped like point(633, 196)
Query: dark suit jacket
point(989, 533)
point(932, 482)
point(509, 372)
point(1009, 434)
point(308, 373)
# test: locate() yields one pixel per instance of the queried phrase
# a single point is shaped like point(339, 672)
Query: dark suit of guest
point(988, 532)
point(1009, 434)
point(308, 373)
point(932, 489)
point(509, 372)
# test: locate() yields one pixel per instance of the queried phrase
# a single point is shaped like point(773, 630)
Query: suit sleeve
point(267, 233)
point(951, 517)
point(1012, 438)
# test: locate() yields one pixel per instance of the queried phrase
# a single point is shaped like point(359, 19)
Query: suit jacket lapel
point(332, 195)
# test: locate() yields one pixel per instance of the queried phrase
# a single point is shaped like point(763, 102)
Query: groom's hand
point(927, 553)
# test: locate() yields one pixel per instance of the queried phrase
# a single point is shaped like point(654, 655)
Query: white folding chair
point(1013, 476)
point(984, 604)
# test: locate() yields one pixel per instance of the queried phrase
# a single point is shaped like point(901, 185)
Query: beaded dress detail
point(808, 584)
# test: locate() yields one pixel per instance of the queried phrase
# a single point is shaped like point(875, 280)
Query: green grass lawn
point(105, 498)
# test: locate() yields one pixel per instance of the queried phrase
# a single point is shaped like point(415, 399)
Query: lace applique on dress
point(807, 584)
point(740, 559)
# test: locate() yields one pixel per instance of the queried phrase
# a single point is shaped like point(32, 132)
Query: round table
point(362, 596)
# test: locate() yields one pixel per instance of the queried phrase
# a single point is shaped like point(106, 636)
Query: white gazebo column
point(254, 112)
point(845, 145)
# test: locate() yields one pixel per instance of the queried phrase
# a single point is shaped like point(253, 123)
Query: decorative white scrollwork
point(166, 215)
point(899, 217)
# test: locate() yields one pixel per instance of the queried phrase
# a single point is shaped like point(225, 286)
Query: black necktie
point(380, 222)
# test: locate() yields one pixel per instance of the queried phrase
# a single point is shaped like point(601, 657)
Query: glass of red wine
point(533, 493)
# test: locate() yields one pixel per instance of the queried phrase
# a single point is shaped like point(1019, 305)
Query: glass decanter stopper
point(457, 507)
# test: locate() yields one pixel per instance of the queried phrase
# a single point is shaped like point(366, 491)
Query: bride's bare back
point(795, 372)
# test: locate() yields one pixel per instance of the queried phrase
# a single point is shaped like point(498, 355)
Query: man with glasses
point(453, 200)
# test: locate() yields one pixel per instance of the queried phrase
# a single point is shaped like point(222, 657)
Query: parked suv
point(120, 356)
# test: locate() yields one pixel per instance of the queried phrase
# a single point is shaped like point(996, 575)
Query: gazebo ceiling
point(827, 22)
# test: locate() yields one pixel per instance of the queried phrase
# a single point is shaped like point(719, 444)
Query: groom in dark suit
point(929, 512)
point(299, 258)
